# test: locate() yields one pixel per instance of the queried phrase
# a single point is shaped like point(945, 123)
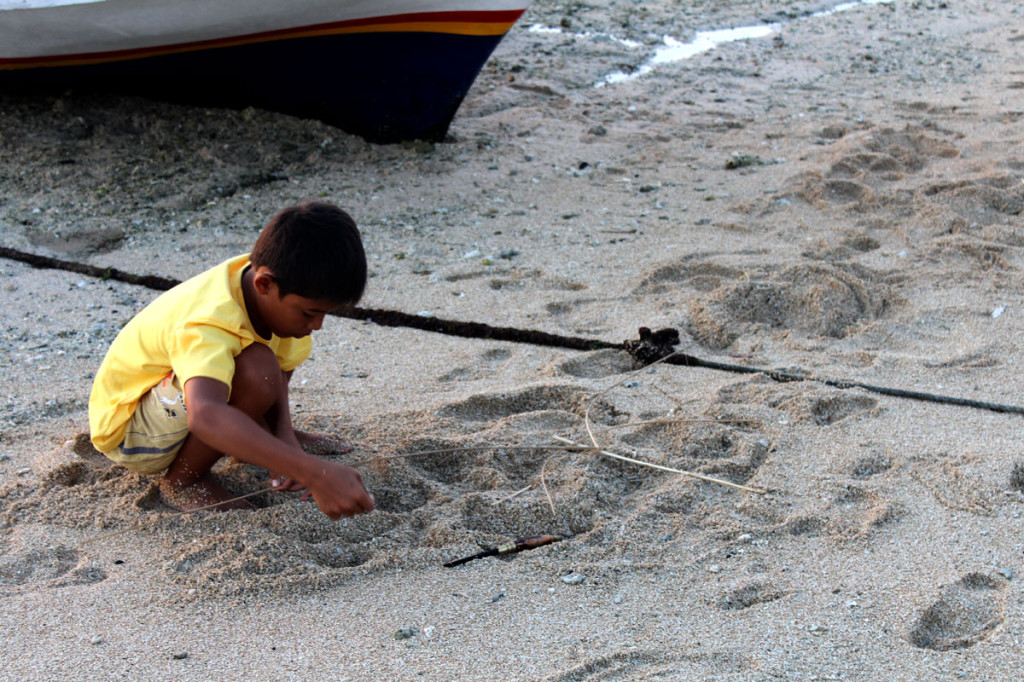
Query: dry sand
point(842, 197)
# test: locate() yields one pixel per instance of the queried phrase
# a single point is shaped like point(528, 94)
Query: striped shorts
point(156, 431)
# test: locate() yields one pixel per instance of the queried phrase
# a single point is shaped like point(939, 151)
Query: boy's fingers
point(362, 505)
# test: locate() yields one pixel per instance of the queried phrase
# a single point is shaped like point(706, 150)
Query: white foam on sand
point(674, 50)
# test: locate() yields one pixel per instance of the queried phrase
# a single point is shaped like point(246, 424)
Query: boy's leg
point(255, 389)
point(320, 443)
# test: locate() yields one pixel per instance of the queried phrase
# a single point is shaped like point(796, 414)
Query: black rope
point(643, 350)
point(782, 376)
point(473, 330)
point(385, 318)
point(36, 261)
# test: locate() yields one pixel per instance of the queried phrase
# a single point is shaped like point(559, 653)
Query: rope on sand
point(651, 347)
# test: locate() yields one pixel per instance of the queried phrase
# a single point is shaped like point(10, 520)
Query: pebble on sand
point(406, 633)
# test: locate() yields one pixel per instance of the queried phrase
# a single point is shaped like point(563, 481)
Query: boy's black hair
point(314, 250)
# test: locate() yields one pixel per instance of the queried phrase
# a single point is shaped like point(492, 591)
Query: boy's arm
point(337, 489)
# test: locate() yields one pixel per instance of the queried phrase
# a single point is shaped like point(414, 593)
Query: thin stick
point(421, 453)
point(217, 504)
point(136, 525)
point(515, 494)
point(590, 403)
point(691, 474)
point(665, 393)
point(680, 421)
point(551, 503)
point(475, 448)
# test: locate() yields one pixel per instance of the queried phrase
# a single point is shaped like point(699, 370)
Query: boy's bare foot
point(322, 443)
point(205, 492)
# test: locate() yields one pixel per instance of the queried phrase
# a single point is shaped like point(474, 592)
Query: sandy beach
point(830, 190)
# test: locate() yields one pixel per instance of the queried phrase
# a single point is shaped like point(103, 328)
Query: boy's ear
point(263, 281)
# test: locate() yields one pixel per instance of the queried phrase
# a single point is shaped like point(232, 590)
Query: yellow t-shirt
point(195, 329)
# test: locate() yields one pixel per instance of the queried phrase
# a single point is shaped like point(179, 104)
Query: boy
point(203, 370)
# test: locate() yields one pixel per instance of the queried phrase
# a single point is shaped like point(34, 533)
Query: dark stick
point(493, 551)
point(520, 545)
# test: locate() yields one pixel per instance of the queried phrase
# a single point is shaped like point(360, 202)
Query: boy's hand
point(285, 485)
point(339, 491)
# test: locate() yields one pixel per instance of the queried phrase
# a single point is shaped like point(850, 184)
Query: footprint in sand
point(750, 593)
point(824, 300)
point(967, 612)
point(983, 200)
point(493, 406)
point(824, 408)
point(598, 364)
point(53, 567)
point(657, 665)
point(698, 271)
point(489, 362)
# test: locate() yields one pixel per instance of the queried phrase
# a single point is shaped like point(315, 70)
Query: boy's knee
point(258, 377)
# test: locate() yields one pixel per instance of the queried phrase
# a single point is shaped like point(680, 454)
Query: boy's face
point(291, 315)
point(297, 316)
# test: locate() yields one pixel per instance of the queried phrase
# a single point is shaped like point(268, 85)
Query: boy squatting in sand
point(223, 345)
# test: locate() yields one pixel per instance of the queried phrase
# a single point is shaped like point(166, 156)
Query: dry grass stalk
point(515, 494)
point(474, 448)
point(598, 449)
point(659, 467)
point(594, 398)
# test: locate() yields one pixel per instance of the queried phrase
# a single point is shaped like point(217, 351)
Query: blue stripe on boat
point(383, 86)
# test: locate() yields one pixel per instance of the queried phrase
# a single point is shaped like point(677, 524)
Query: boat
point(386, 70)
